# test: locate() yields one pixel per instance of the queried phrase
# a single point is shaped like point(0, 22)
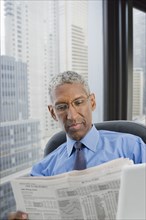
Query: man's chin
point(76, 134)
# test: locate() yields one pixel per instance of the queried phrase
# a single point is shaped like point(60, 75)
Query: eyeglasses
point(77, 104)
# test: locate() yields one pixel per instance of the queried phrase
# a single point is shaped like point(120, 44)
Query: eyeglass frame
point(75, 106)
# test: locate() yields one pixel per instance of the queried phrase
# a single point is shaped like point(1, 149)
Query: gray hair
point(69, 77)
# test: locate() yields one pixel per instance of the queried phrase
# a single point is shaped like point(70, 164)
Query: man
point(72, 105)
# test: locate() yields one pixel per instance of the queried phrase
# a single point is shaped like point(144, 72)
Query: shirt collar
point(90, 141)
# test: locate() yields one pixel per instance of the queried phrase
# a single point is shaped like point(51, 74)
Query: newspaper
point(90, 194)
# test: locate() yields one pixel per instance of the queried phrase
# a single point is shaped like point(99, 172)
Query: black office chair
point(119, 126)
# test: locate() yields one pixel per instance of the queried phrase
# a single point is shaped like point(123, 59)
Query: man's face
point(73, 107)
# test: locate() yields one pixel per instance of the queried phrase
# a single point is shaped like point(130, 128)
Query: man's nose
point(71, 112)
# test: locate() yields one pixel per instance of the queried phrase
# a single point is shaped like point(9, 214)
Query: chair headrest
point(123, 126)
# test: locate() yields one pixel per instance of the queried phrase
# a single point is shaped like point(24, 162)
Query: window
point(69, 39)
point(139, 66)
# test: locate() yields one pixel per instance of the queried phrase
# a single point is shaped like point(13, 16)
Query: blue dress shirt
point(100, 146)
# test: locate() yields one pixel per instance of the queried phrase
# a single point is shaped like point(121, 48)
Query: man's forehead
point(69, 89)
point(68, 93)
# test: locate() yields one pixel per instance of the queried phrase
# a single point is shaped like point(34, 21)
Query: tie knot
point(78, 145)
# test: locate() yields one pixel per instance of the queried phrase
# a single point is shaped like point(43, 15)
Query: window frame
point(118, 57)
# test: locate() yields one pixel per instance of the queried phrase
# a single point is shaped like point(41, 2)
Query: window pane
point(139, 66)
point(38, 40)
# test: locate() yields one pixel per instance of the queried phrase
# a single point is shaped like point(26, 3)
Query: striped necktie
point(80, 162)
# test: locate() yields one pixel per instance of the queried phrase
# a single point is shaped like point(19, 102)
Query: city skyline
point(30, 58)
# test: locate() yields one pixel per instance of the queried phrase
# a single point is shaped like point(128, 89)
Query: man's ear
point(93, 101)
point(51, 110)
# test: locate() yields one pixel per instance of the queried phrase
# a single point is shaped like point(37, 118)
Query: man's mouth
point(75, 126)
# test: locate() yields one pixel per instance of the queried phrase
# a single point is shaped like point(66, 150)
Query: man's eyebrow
point(80, 97)
point(60, 102)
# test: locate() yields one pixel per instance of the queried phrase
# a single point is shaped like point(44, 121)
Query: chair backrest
point(119, 126)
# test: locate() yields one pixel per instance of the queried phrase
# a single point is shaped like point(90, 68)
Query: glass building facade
point(19, 136)
point(36, 45)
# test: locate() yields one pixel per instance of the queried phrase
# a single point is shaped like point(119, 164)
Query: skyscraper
point(138, 101)
point(19, 136)
point(73, 35)
point(31, 36)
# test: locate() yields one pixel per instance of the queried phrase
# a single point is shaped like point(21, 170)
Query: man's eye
point(79, 102)
point(61, 107)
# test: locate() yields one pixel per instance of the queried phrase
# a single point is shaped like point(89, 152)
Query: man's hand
point(17, 216)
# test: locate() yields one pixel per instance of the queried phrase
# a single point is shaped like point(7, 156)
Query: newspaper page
point(90, 194)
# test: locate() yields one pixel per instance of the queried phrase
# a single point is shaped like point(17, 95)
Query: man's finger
point(17, 216)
